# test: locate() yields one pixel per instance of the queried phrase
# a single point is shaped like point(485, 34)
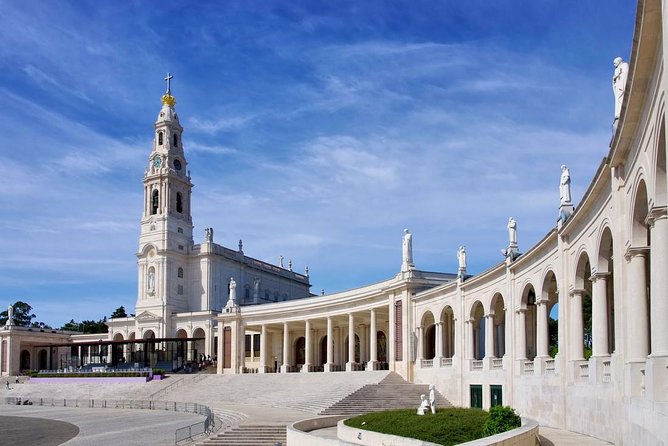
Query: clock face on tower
point(156, 162)
point(177, 164)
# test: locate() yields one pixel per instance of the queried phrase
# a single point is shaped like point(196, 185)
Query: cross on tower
point(169, 78)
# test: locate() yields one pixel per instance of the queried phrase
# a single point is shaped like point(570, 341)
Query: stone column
point(542, 327)
point(470, 340)
point(286, 349)
point(373, 342)
point(659, 281)
point(263, 350)
point(308, 347)
point(330, 345)
point(1, 357)
point(419, 354)
point(577, 324)
point(337, 349)
point(489, 336)
point(521, 334)
point(599, 315)
point(351, 343)
point(438, 354)
point(637, 317)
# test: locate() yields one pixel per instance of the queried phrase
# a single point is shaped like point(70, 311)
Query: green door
point(476, 396)
point(495, 395)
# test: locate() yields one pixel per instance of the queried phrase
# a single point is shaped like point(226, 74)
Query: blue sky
point(313, 130)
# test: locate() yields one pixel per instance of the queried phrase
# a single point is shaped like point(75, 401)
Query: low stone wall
point(525, 435)
point(298, 432)
point(106, 380)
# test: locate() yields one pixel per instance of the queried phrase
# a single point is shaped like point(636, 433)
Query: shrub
point(160, 372)
point(501, 419)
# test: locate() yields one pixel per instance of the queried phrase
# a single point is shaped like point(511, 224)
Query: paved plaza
point(236, 400)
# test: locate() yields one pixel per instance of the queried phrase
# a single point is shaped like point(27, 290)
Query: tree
point(88, 326)
point(22, 314)
point(119, 312)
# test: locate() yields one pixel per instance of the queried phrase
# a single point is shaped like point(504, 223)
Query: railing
point(527, 368)
point(188, 432)
point(607, 375)
point(167, 388)
point(88, 370)
point(426, 363)
point(446, 362)
point(584, 370)
point(476, 364)
point(497, 363)
point(550, 367)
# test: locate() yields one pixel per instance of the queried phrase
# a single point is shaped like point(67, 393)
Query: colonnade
point(330, 343)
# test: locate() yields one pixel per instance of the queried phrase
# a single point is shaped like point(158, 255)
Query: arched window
point(155, 202)
point(179, 203)
point(159, 138)
point(176, 140)
point(180, 273)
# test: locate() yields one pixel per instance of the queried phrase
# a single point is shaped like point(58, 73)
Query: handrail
point(164, 389)
point(200, 409)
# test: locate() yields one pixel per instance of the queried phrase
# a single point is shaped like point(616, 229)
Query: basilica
point(483, 340)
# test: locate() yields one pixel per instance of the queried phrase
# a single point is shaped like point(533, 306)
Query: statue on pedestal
point(208, 235)
point(461, 259)
point(150, 282)
point(512, 231)
point(565, 186)
point(512, 251)
point(407, 251)
point(619, 84)
point(232, 301)
point(10, 316)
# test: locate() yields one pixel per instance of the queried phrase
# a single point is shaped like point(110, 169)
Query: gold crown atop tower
point(167, 98)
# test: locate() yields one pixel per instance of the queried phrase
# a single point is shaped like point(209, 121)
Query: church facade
point(483, 340)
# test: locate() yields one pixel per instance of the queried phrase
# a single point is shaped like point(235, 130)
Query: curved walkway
point(550, 436)
point(100, 427)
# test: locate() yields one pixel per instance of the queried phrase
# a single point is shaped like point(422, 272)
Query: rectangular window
point(248, 346)
point(181, 247)
point(496, 395)
point(179, 290)
point(476, 396)
point(256, 344)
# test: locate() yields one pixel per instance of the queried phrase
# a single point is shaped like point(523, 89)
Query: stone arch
point(639, 266)
point(181, 333)
point(42, 359)
point(149, 334)
point(357, 349)
point(498, 314)
point(660, 183)
point(428, 335)
point(299, 349)
point(381, 342)
point(118, 337)
point(580, 311)
point(603, 306)
point(25, 360)
point(448, 320)
point(200, 345)
point(548, 323)
point(530, 329)
point(477, 339)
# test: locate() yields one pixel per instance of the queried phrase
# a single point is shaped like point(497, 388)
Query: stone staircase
point(249, 435)
point(391, 393)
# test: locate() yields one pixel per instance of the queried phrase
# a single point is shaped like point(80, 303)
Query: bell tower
point(166, 224)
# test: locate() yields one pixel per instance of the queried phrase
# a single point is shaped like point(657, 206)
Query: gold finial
point(167, 98)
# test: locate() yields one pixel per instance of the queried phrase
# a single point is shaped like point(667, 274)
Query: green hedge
point(501, 419)
point(91, 375)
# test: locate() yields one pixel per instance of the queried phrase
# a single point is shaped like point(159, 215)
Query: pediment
point(147, 316)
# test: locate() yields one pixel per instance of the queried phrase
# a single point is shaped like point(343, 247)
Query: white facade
point(486, 336)
point(477, 336)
